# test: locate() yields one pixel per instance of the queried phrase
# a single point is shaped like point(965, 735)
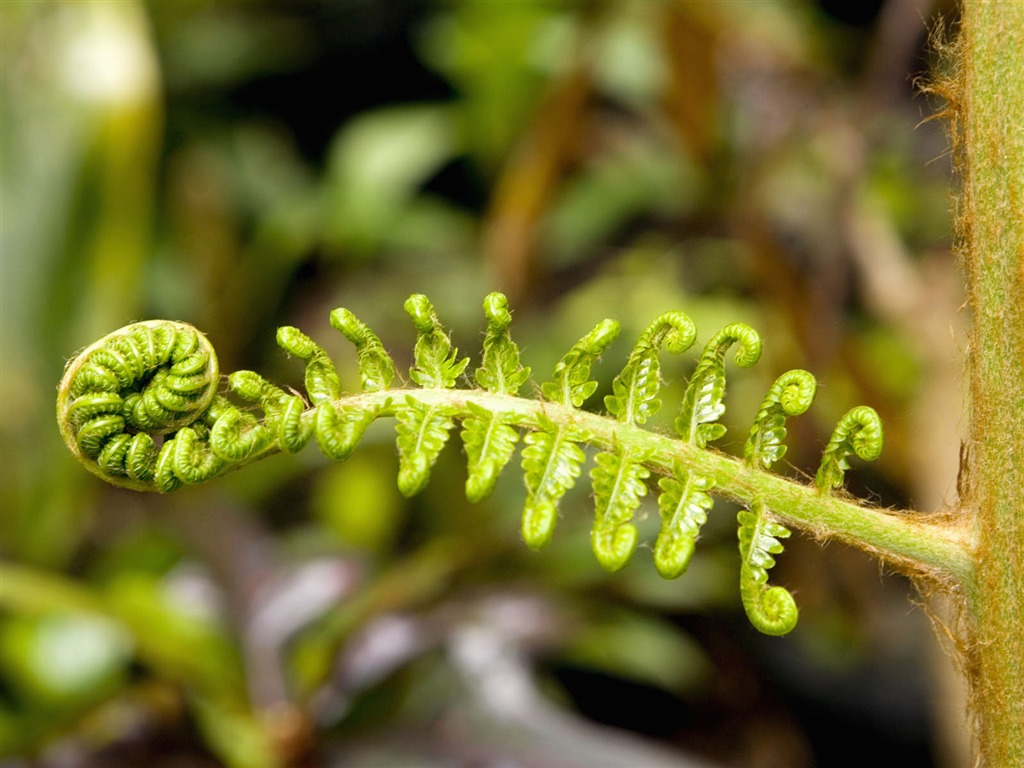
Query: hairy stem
point(991, 111)
point(906, 540)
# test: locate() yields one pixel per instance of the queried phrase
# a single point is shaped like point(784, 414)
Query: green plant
point(974, 554)
point(157, 381)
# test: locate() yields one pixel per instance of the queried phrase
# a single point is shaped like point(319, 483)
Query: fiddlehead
point(322, 381)
point(858, 432)
point(684, 501)
point(790, 395)
point(500, 370)
point(139, 408)
point(150, 378)
point(283, 412)
point(771, 610)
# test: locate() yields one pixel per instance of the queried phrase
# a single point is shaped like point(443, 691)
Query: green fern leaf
point(338, 430)
point(193, 461)
point(790, 395)
point(858, 432)
point(702, 403)
point(572, 385)
point(437, 363)
point(635, 389)
point(500, 370)
point(322, 381)
point(283, 414)
point(684, 503)
point(489, 444)
point(237, 435)
point(618, 488)
point(164, 478)
point(294, 429)
point(376, 370)
point(551, 463)
point(772, 610)
point(254, 388)
point(423, 431)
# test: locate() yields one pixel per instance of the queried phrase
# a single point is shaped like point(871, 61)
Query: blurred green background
point(244, 165)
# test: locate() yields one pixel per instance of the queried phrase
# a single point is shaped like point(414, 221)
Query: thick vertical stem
point(991, 97)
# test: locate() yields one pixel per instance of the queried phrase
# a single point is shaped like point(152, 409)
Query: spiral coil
point(144, 380)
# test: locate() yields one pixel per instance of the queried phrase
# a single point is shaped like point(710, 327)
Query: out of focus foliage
point(251, 164)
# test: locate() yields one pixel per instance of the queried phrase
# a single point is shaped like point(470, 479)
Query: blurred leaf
point(492, 53)
point(639, 177)
point(629, 61)
point(221, 47)
point(81, 118)
point(377, 164)
point(178, 643)
point(238, 738)
point(357, 502)
point(646, 649)
point(707, 586)
point(66, 659)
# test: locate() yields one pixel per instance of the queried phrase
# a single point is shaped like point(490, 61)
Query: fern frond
point(139, 408)
point(571, 385)
point(339, 429)
point(618, 488)
point(635, 389)
point(858, 432)
point(164, 479)
point(376, 370)
point(423, 431)
point(772, 610)
point(437, 363)
point(500, 370)
point(552, 462)
point(194, 461)
point(684, 503)
point(283, 414)
point(790, 395)
point(238, 435)
point(322, 381)
point(490, 443)
point(702, 403)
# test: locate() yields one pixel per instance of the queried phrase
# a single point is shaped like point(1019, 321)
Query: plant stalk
point(917, 544)
point(989, 94)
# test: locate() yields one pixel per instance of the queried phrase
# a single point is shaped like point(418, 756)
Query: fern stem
point(990, 93)
point(905, 539)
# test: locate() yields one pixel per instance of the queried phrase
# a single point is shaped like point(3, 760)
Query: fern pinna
point(141, 409)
